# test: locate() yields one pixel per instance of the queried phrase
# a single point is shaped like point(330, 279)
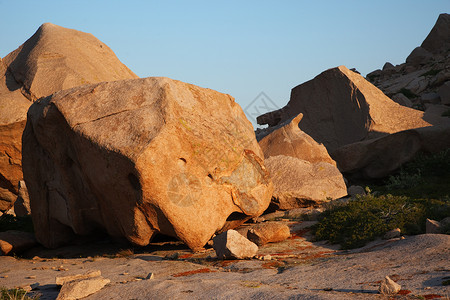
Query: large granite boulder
point(340, 107)
point(379, 157)
point(301, 169)
point(57, 58)
point(137, 157)
point(53, 59)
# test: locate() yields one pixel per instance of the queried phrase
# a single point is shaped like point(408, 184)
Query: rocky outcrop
point(78, 289)
point(137, 157)
point(299, 183)
point(53, 59)
point(301, 169)
point(340, 107)
point(423, 74)
point(379, 157)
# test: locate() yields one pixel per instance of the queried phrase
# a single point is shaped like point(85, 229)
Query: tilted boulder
point(53, 59)
point(379, 157)
point(268, 232)
point(137, 157)
point(301, 169)
point(232, 245)
point(340, 107)
point(289, 140)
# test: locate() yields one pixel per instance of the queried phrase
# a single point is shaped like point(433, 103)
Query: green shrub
point(368, 217)
point(403, 180)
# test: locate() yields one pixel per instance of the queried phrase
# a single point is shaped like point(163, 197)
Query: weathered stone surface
point(439, 37)
point(141, 156)
point(432, 226)
point(289, 140)
point(78, 289)
point(22, 203)
point(61, 280)
point(388, 66)
point(264, 233)
point(392, 234)
point(379, 157)
point(389, 287)
point(57, 58)
point(299, 183)
point(13, 241)
point(54, 58)
point(340, 107)
point(232, 245)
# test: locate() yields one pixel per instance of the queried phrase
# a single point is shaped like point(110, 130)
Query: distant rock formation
point(53, 59)
point(141, 156)
point(340, 107)
point(423, 78)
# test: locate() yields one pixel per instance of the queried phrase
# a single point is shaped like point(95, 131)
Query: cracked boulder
point(53, 59)
point(139, 157)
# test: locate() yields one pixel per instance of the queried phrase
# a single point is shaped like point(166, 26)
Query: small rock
point(150, 276)
point(232, 245)
point(432, 226)
point(389, 287)
point(125, 273)
point(34, 286)
point(63, 280)
point(173, 256)
point(264, 233)
point(31, 277)
point(81, 288)
point(355, 190)
point(394, 233)
point(267, 257)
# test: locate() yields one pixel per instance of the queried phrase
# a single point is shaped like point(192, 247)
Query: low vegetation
point(14, 294)
point(419, 190)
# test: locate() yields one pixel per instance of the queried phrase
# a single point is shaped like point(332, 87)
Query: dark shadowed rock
point(141, 156)
point(13, 241)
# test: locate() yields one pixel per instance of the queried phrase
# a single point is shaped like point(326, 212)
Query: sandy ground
point(298, 269)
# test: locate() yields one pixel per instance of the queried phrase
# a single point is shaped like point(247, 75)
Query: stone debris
point(264, 233)
point(432, 226)
point(61, 280)
point(232, 245)
point(77, 289)
point(389, 287)
point(394, 233)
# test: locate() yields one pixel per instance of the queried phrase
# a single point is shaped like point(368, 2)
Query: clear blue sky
point(237, 47)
